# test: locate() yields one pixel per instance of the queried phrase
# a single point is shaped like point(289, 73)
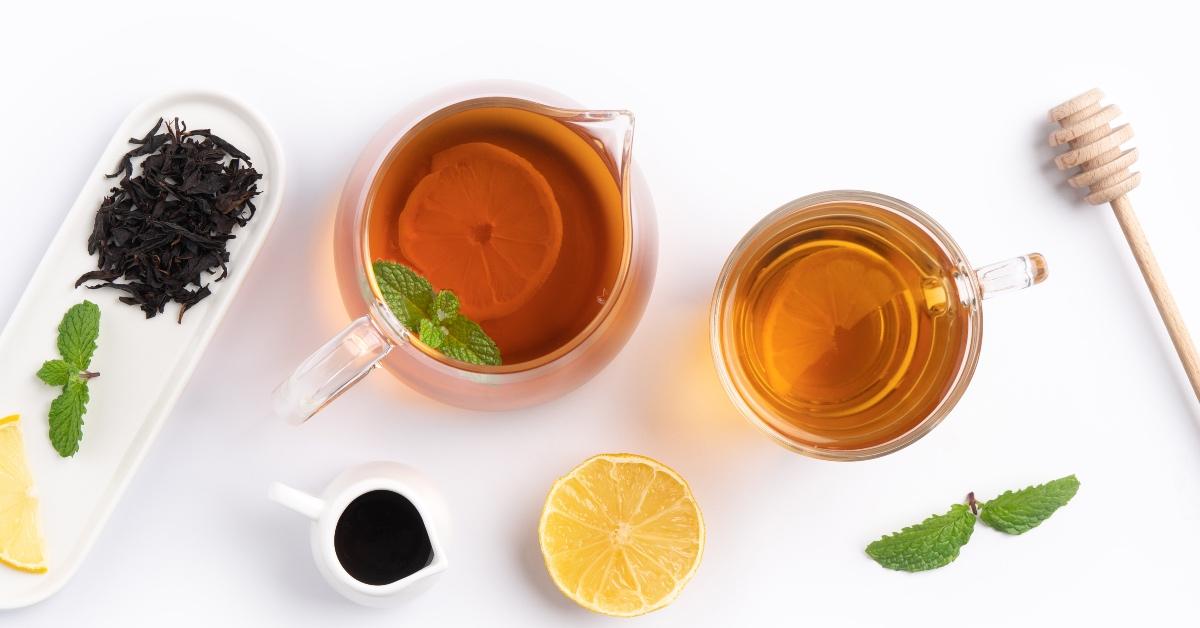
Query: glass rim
point(790, 214)
point(397, 333)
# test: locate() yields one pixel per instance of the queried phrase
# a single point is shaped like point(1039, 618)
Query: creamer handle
point(299, 501)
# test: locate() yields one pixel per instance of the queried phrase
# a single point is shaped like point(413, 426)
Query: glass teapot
point(375, 337)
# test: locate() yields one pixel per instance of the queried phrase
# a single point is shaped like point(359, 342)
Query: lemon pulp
point(621, 534)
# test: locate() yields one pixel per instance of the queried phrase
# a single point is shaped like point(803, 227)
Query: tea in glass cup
point(846, 324)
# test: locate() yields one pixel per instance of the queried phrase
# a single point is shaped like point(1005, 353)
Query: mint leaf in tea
point(407, 294)
point(433, 317)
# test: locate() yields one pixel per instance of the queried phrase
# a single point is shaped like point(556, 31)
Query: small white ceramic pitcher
point(326, 510)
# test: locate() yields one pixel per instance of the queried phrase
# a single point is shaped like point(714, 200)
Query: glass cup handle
point(330, 371)
point(1011, 275)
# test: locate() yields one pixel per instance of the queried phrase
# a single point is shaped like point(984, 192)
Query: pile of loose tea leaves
point(158, 233)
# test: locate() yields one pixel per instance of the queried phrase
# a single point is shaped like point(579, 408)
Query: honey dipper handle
point(1158, 289)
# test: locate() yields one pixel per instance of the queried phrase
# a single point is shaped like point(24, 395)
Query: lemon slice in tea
point(621, 534)
point(825, 312)
point(20, 535)
point(485, 224)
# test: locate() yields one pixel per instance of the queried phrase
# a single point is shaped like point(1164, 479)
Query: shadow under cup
point(847, 324)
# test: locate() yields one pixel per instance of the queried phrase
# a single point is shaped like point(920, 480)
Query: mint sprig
point(77, 334)
point(936, 541)
point(433, 315)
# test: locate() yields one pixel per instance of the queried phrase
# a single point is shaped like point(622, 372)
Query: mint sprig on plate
point(433, 315)
point(77, 334)
point(936, 541)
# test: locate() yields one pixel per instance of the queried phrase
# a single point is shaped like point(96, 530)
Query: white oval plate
point(143, 364)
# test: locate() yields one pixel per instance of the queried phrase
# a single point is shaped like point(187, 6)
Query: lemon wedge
point(621, 534)
point(20, 536)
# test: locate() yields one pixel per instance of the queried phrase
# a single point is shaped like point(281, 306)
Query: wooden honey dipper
point(1095, 148)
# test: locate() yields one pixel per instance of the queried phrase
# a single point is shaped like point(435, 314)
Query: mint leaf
point(77, 334)
point(66, 418)
point(56, 372)
point(407, 294)
point(933, 543)
point(1016, 512)
point(432, 334)
point(466, 341)
point(434, 317)
point(445, 306)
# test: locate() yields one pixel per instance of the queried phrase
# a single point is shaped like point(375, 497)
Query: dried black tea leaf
point(159, 233)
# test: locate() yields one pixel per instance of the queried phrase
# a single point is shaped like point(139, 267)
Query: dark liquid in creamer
point(381, 538)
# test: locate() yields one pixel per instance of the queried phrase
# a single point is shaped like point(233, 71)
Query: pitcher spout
point(612, 132)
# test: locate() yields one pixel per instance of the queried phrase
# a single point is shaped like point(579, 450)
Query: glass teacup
point(378, 184)
point(847, 324)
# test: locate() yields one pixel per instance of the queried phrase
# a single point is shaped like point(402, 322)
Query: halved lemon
point(20, 535)
point(621, 534)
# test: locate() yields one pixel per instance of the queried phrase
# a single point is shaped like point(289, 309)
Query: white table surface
point(738, 110)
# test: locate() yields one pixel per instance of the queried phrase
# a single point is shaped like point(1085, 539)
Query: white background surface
point(739, 111)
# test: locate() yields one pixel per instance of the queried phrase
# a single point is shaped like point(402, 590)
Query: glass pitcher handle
point(1011, 275)
point(330, 371)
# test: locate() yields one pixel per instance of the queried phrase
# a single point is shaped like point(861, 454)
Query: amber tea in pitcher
point(516, 213)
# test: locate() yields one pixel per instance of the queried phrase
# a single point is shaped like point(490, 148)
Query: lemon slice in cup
point(621, 534)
